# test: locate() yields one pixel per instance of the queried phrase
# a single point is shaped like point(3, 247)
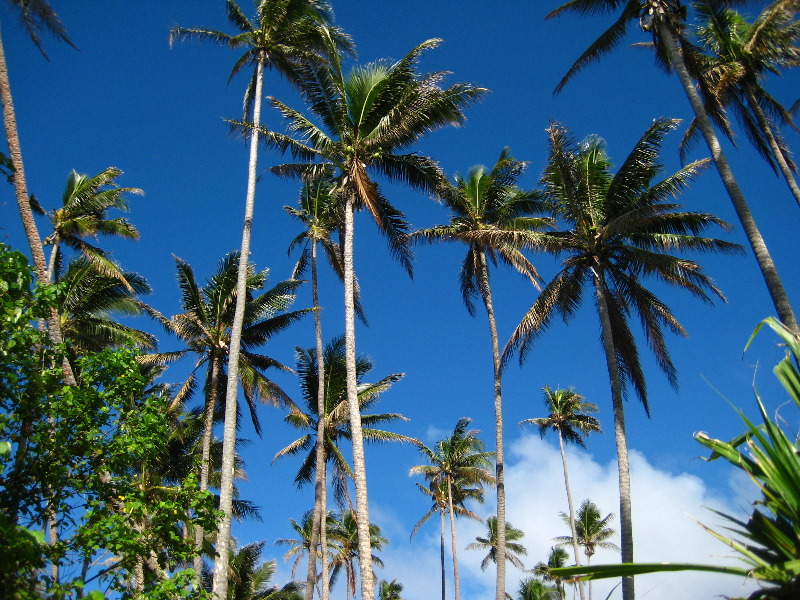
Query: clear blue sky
point(127, 100)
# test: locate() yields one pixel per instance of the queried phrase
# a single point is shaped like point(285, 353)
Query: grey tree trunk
point(205, 456)
point(23, 203)
point(625, 517)
point(441, 552)
point(766, 127)
point(768, 269)
point(319, 535)
point(357, 437)
point(220, 581)
point(486, 293)
point(453, 546)
point(581, 587)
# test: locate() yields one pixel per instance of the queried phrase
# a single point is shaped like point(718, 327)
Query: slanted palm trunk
point(319, 535)
point(205, 455)
point(220, 582)
point(768, 270)
point(357, 437)
point(486, 293)
point(24, 205)
point(625, 518)
point(574, 532)
point(766, 127)
point(453, 547)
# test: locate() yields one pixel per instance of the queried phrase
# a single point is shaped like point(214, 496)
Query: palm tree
point(456, 462)
point(566, 417)
point(437, 491)
point(206, 327)
point(389, 590)
point(495, 219)
point(83, 213)
point(490, 543)
point(36, 15)
point(741, 54)
point(284, 34)
point(318, 211)
point(368, 118)
point(663, 20)
point(91, 303)
point(619, 227)
point(250, 578)
point(534, 589)
point(302, 544)
point(590, 531)
point(556, 559)
point(344, 537)
point(335, 420)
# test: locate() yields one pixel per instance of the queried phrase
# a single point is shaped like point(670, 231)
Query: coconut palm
point(206, 327)
point(534, 589)
point(250, 578)
point(437, 491)
point(336, 421)
point(319, 212)
point(556, 559)
point(36, 16)
point(367, 119)
point(490, 543)
point(91, 304)
point(85, 203)
point(617, 229)
point(389, 590)
point(591, 532)
point(345, 541)
point(284, 34)
point(568, 419)
point(494, 218)
point(300, 546)
point(456, 462)
point(742, 54)
point(663, 19)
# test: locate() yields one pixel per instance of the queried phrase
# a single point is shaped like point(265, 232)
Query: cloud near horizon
point(666, 509)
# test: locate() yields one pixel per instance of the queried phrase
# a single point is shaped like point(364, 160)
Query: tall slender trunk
point(220, 585)
point(768, 269)
point(24, 205)
point(486, 293)
point(625, 517)
point(205, 455)
point(441, 551)
point(318, 531)
point(766, 127)
point(453, 547)
point(574, 531)
point(357, 437)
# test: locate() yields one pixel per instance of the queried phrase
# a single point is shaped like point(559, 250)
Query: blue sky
point(127, 100)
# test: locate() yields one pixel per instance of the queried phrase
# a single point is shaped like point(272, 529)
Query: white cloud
point(666, 508)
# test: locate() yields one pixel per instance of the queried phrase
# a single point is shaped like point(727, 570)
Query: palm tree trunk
point(441, 552)
point(220, 584)
point(768, 270)
point(456, 585)
point(318, 533)
point(773, 144)
point(581, 587)
point(205, 456)
point(486, 293)
point(24, 205)
point(625, 517)
point(357, 437)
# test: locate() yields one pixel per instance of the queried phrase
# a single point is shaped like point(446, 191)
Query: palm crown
point(567, 415)
point(620, 227)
